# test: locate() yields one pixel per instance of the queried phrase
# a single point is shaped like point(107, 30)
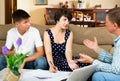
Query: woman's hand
point(72, 64)
point(85, 58)
point(53, 69)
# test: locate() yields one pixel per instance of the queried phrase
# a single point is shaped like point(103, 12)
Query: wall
point(24, 4)
point(2, 12)
point(105, 3)
point(37, 11)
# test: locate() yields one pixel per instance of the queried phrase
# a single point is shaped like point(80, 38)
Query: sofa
point(105, 39)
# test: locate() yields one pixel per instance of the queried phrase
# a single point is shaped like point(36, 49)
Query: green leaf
point(22, 56)
point(14, 61)
point(7, 60)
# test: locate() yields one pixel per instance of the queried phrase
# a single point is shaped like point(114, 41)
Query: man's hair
point(20, 14)
point(62, 12)
point(114, 15)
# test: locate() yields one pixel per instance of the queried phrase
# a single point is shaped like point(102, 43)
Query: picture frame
point(41, 2)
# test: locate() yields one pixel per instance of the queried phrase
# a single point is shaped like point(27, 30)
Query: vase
point(9, 76)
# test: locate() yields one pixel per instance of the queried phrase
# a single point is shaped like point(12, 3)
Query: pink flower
point(61, 3)
point(66, 2)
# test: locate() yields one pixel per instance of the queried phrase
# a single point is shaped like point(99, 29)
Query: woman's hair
point(20, 14)
point(62, 12)
point(114, 15)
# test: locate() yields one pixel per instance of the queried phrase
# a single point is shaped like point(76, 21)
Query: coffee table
point(21, 79)
point(29, 72)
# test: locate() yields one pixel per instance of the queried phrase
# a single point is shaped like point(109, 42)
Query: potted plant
point(14, 62)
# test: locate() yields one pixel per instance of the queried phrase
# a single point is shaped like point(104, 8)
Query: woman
point(58, 44)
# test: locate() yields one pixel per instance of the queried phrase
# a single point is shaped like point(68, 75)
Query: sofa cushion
point(41, 28)
point(4, 29)
point(101, 33)
point(2, 43)
point(76, 48)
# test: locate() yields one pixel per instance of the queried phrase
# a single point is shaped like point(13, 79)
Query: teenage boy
point(31, 41)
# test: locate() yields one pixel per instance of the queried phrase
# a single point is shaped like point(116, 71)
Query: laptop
point(81, 74)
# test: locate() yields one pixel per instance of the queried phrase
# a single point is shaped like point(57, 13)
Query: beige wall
point(37, 11)
point(2, 12)
point(105, 3)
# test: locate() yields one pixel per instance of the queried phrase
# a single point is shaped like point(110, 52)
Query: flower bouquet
point(65, 5)
point(14, 62)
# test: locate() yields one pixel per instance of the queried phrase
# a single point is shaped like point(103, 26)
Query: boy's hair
point(62, 12)
point(20, 14)
point(114, 15)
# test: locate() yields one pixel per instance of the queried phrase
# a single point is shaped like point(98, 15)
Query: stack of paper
point(44, 75)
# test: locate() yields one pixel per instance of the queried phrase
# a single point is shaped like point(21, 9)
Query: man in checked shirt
point(108, 68)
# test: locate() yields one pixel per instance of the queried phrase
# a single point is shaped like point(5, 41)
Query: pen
point(51, 63)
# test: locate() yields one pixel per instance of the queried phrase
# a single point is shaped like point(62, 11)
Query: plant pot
point(9, 76)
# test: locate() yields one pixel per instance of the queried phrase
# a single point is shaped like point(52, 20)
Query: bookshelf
point(82, 17)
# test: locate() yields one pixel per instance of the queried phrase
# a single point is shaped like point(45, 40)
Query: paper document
point(44, 74)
